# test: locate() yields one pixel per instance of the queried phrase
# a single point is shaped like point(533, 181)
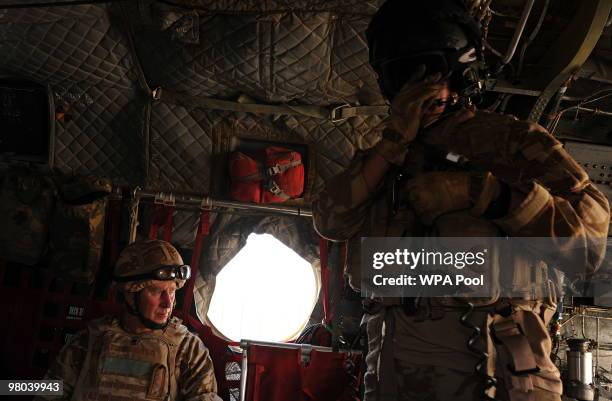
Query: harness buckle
point(274, 170)
point(336, 113)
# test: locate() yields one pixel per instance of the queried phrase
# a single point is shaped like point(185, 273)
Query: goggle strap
point(151, 275)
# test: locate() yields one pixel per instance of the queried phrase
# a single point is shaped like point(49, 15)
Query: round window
point(266, 292)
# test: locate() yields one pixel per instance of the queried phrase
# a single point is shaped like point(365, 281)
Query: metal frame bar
point(207, 202)
point(569, 52)
point(518, 33)
point(244, 365)
point(244, 344)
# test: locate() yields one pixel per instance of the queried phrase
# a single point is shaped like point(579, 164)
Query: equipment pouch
point(77, 230)
point(523, 347)
point(26, 200)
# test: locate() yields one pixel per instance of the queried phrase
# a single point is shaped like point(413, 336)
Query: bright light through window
point(266, 292)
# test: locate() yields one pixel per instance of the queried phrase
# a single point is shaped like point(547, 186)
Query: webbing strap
point(203, 230)
point(270, 171)
point(134, 217)
point(158, 215)
point(162, 214)
point(114, 228)
point(129, 30)
point(509, 333)
point(273, 187)
point(246, 105)
point(329, 310)
point(324, 258)
point(281, 168)
point(342, 265)
point(168, 223)
point(250, 177)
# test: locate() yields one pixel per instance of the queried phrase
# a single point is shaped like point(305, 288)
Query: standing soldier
point(519, 182)
point(144, 353)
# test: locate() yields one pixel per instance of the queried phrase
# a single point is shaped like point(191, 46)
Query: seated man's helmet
point(440, 35)
point(143, 262)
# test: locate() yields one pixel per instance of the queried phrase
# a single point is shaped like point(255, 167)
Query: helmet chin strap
point(148, 323)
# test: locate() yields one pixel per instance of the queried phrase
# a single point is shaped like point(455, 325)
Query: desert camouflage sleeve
point(335, 213)
point(558, 200)
point(197, 376)
point(68, 365)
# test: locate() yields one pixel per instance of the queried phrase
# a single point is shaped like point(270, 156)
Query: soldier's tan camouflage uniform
point(432, 361)
point(105, 362)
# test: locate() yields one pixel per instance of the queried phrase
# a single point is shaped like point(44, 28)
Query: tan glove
point(405, 119)
point(436, 193)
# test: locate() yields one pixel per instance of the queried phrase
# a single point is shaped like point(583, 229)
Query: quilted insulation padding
point(82, 54)
point(313, 57)
point(181, 140)
point(65, 45)
point(103, 134)
point(364, 7)
point(305, 52)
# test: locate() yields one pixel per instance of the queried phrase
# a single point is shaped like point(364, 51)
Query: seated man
point(143, 353)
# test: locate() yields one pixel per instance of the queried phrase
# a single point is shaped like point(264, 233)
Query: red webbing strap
point(324, 258)
point(342, 265)
point(169, 209)
point(114, 228)
point(203, 230)
point(157, 218)
point(163, 214)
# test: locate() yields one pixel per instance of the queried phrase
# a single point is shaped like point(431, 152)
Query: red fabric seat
point(279, 374)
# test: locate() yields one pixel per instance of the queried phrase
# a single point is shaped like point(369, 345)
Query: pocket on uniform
point(536, 346)
point(157, 385)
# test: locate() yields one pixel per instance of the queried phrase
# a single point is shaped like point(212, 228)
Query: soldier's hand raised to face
point(409, 105)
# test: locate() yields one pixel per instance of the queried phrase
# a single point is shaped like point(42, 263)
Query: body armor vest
point(122, 366)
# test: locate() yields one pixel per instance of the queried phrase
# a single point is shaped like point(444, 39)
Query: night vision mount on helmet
point(440, 35)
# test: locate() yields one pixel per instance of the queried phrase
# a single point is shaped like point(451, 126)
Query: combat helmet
point(140, 265)
point(143, 262)
point(441, 35)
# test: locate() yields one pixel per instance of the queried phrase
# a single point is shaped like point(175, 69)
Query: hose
point(481, 367)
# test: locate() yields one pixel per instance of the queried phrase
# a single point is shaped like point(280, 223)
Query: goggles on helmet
point(163, 273)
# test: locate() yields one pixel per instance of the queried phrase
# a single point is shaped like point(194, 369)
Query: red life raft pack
point(276, 175)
